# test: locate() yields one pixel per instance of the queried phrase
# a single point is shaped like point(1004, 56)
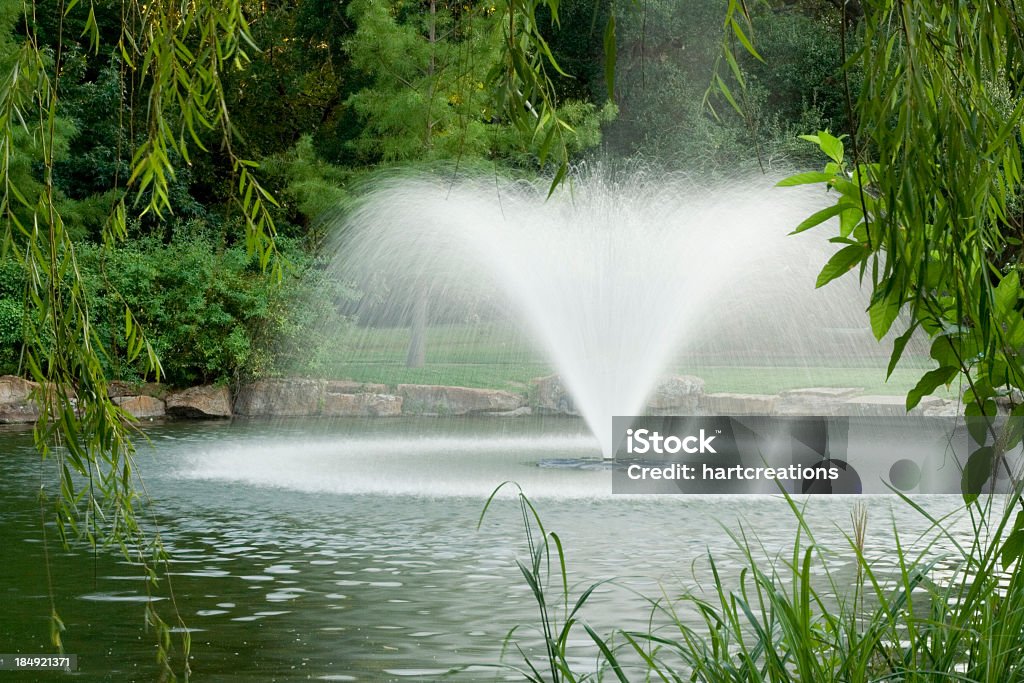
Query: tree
point(426, 100)
point(428, 67)
point(429, 99)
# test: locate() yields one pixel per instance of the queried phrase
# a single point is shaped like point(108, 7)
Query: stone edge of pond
point(303, 397)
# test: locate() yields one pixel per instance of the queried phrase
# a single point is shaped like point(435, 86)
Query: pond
point(349, 551)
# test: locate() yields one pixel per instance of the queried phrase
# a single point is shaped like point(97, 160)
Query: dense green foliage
point(666, 52)
point(212, 313)
point(334, 92)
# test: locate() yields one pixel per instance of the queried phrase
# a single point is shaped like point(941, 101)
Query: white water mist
point(613, 277)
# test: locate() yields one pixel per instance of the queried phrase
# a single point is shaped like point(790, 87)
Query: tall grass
point(916, 615)
point(556, 619)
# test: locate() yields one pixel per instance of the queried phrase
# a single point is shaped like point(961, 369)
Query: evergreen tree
point(429, 65)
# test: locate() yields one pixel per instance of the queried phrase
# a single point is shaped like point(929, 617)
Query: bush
point(11, 333)
point(208, 310)
point(12, 315)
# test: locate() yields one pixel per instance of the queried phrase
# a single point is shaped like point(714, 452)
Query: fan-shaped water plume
point(614, 276)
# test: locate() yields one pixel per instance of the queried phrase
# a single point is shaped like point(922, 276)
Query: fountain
point(614, 275)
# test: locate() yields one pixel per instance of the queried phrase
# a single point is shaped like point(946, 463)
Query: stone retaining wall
point(300, 397)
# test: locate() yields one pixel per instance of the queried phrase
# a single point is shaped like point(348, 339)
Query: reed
point(796, 617)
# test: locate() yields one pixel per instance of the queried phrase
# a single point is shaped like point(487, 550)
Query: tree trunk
point(418, 331)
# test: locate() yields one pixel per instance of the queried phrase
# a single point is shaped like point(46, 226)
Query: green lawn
point(498, 356)
point(770, 380)
point(485, 355)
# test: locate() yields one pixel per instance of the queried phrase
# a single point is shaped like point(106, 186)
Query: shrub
point(209, 311)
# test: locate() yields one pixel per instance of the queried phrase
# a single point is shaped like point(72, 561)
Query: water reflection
point(285, 567)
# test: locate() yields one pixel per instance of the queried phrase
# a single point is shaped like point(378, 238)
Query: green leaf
point(841, 263)
point(831, 146)
point(1014, 433)
point(735, 68)
point(978, 418)
point(897, 350)
point(849, 219)
point(847, 188)
point(883, 312)
point(1007, 294)
point(724, 89)
point(1013, 548)
point(977, 473)
point(928, 383)
point(806, 178)
point(557, 180)
point(747, 45)
point(943, 351)
point(818, 218)
point(608, 654)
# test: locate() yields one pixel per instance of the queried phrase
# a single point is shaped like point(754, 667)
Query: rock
point(204, 401)
point(679, 395)
point(886, 406)
point(521, 411)
point(944, 408)
point(550, 396)
point(16, 404)
point(425, 399)
point(15, 389)
point(361, 405)
point(737, 404)
point(119, 389)
point(347, 386)
point(816, 401)
point(281, 398)
point(141, 406)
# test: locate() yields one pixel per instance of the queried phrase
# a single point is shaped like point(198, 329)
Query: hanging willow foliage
point(929, 202)
point(176, 54)
point(522, 84)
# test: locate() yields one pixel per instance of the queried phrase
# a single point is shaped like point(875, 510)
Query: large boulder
point(895, 406)
point(348, 386)
point(549, 395)
point(737, 404)
point(120, 389)
point(678, 395)
point(16, 403)
point(281, 398)
point(426, 399)
point(141, 406)
point(944, 408)
point(361, 405)
point(199, 402)
point(817, 401)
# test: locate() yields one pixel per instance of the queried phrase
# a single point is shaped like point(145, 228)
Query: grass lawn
point(495, 355)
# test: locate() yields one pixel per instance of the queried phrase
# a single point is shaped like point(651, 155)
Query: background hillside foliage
point(335, 92)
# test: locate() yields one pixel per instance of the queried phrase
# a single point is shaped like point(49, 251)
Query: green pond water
point(348, 550)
